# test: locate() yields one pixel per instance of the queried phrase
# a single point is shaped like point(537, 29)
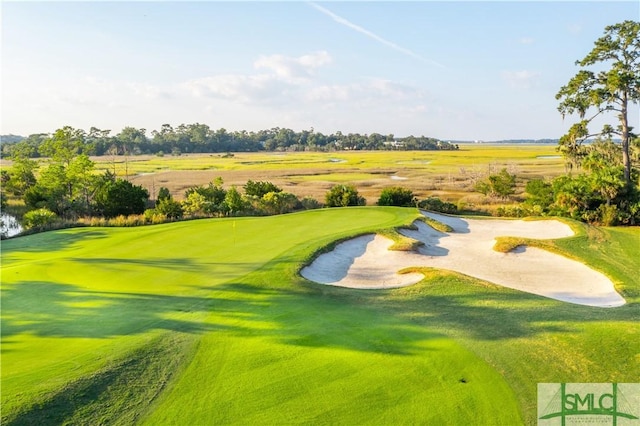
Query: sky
point(451, 70)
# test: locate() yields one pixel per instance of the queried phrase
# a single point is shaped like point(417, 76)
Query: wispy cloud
point(357, 28)
point(279, 76)
point(294, 69)
point(367, 92)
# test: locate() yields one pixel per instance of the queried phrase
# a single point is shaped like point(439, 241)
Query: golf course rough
point(209, 322)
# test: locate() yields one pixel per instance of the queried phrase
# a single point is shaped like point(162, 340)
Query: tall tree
point(64, 145)
point(609, 90)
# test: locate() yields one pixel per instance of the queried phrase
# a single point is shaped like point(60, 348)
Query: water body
point(10, 225)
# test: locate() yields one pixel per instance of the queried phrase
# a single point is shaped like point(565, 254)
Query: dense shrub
point(600, 197)
point(437, 205)
point(310, 203)
point(121, 198)
point(214, 196)
point(234, 204)
point(279, 202)
point(501, 185)
point(259, 189)
point(513, 211)
point(343, 196)
point(397, 196)
point(163, 194)
point(170, 208)
point(39, 218)
point(539, 193)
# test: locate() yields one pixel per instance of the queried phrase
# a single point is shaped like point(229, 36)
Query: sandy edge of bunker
point(365, 262)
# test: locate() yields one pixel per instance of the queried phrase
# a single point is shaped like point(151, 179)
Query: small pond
point(9, 225)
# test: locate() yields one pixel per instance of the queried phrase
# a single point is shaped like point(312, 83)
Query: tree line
point(200, 138)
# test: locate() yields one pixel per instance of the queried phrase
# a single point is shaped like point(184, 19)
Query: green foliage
point(20, 177)
point(343, 196)
point(214, 196)
point(51, 191)
point(397, 196)
point(39, 218)
point(64, 145)
point(540, 193)
point(500, 185)
point(437, 205)
point(164, 194)
point(199, 138)
point(171, 208)
point(233, 201)
point(194, 204)
point(259, 189)
point(310, 203)
point(153, 216)
point(279, 202)
point(610, 89)
point(121, 197)
point(67, 184)
point(600, 197)
point(608, 193)
point(513, 211)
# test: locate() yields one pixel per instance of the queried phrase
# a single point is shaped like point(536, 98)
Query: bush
point(153, 216)
point(539, 193)
point(214, 195)
point(170, 208)
point(437, 205)
point(608, 215)
point(163, 194)
point(501, 185)
point(397, 196)
point(513, 211)
point(40, 218)
point(343, 196)
point(121, 198)
point(259, 189)
point(234, 204)
point(310, 203)
point(279, 202)
point(193, 205)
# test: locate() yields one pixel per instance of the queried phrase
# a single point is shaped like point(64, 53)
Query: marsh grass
point(449, 174)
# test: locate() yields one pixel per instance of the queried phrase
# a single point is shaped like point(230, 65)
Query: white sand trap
point(366, 262)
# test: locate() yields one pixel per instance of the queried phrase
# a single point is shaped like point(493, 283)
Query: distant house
point(394, 144)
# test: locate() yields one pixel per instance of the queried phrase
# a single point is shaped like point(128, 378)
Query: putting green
point(208, 322)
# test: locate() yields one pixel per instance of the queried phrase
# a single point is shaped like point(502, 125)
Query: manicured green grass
point(207, 322)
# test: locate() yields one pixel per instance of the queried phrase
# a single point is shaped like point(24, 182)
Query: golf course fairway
point(209, 322)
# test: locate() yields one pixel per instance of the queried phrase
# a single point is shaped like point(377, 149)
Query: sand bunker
point(366, 262)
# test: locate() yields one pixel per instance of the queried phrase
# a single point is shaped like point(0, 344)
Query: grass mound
point(118, 394)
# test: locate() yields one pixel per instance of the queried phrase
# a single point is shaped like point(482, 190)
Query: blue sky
point(450, 70)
